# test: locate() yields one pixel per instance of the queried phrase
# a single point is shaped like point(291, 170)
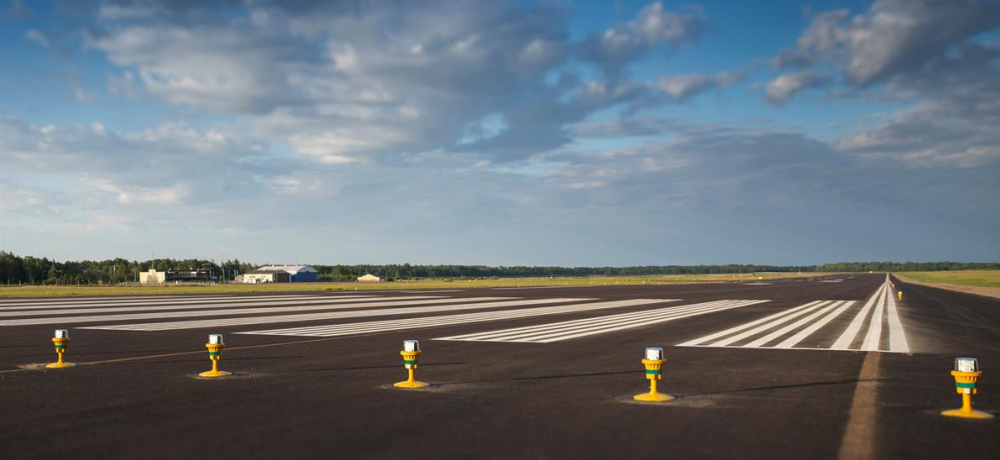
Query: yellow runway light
point(966, 375)
point(215, 346)
point(61, 341)
point(411, 358)
point(654, 372)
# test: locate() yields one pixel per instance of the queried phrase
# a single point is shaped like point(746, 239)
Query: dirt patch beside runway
point(978, 290)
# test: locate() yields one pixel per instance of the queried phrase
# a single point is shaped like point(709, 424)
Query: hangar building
point(296, 273)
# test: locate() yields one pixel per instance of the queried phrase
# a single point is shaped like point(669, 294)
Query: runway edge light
point(215, 346)
point(653, 363)
point(411, 358)
point(61, 340)
point(966, 375)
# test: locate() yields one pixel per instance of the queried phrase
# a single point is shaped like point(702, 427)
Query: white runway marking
point(539, 287)
point(897, 338)
point(811, 317)
point(195, 324)
point(186, 300)
point(566, 330)
point(335, 330)
point(845, 340)
point(100, 299)
point(226, 312)
point(292, 302)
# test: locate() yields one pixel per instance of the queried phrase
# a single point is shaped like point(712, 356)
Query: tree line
point(15, 269)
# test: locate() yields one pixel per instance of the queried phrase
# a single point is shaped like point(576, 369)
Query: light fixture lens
point(411, 345)
point(966, 364)
point(62, 334)
point(654, 353)
point(215, 339)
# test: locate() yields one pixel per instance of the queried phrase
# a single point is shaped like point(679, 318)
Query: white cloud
point(652, 25)
point(684, 87)
point(329, 82)
point(149, 195)
point(891, 36)
point(138, 10)
point(83, 97)
point(784, 87)
point(37, 36)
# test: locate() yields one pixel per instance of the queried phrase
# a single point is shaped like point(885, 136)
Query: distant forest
point(33, 270)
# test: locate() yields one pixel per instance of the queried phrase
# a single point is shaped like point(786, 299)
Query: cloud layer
point(508, 132)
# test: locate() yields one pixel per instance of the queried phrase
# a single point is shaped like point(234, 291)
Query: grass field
point(61, 291)
point(984, 278)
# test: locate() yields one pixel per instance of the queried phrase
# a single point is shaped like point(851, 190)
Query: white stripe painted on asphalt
point(290, 302)
point(820, 309)
point(736, 329)
point(335, 330)
point(97, 298)
point(847, 338)
point(766, 326)
point(187, 300)
point(224, 322)
point(540, 287)
point(549, 328)
point(801, 335)
point(811, 318)
point(227, 312)
point(874, 335)
point(566, 330)
point(897, 338)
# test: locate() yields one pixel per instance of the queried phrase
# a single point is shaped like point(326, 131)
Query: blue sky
point(501, 133)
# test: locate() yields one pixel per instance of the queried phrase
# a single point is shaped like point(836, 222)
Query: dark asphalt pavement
point(135, 394)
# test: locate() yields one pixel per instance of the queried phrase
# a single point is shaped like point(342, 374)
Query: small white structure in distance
point(266, 276)
point(296, 273)
point(155, 277)
point(369, 278)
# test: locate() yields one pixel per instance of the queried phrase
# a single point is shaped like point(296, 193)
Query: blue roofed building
point(296, 273)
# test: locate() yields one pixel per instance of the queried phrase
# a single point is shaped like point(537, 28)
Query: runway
point(776, 369)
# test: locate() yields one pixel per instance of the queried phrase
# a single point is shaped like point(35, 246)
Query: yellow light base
point(411, 384)
point(59, 365)
point(653, 397)
point(214, 373)
point(976, 414)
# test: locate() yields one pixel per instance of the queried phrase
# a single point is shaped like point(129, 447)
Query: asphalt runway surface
point(832, 367)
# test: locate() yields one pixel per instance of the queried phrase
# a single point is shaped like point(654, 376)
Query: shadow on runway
point(550, 377)
point(361, 368)
point(785, 387)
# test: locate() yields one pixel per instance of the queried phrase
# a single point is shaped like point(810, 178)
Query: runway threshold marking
point(566, 330)
point(113, 298)
point(186, 300)
point(334, 330)
point(540, 287)
point(150, 308)
point(797, 324)
point(229, 312)
point(225, 322)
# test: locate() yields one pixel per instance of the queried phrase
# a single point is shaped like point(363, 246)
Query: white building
point(266, 276)
point(296, 273)
point(153, 276)
point(369, 278)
